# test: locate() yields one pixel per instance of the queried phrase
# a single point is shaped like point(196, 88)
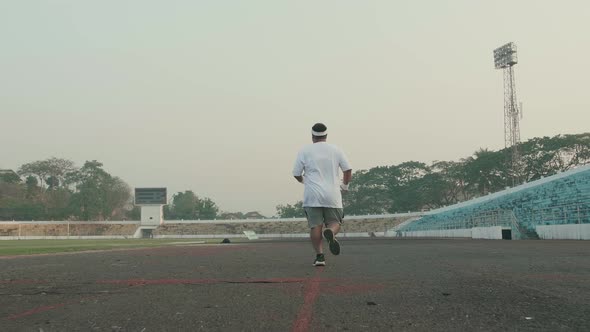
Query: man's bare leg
point(316, 239)
point(335, 227)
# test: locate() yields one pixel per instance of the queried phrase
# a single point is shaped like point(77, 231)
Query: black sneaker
point(334, 245)
point(319, 260)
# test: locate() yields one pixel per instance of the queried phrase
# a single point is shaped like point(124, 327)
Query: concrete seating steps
point(562, 201)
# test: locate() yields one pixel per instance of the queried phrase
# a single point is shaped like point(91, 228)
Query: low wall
point(564, 232)
point(353, 226)
point(73, 237)
point(65, 229)
point(362, 227)
point(170, 228)
point(295, 226)
point(263, 236)
point(492, 233)
point(445, 233)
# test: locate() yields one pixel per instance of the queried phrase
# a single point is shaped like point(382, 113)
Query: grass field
point(28, 247)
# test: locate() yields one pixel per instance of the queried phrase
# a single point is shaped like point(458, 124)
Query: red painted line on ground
point(141, 282)
point(36, 311)
point(310, 294)
point(45, 308)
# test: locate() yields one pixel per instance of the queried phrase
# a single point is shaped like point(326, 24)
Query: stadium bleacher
point(560, 199)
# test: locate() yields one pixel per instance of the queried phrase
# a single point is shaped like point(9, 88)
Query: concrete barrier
point(492, 233)
point(564, 232)
point(65, 237)
point(262, 236)
point(444, 233)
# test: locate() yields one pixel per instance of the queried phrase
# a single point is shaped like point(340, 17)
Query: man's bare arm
point(347, 176)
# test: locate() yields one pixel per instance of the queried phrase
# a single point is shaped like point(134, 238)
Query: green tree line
point(416, 186)
point(55, 189)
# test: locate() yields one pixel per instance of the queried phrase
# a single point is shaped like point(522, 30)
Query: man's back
point(320, 162)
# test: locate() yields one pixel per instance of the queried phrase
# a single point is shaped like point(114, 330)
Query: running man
point(317, 167)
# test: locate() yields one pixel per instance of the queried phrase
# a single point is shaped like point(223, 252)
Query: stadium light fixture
point(505, 56)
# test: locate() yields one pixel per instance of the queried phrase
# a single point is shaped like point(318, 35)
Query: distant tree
point(545, 156)
point(14, 209)
point(57, 204)
point(98, 195)
point(135, 213)
point(188, 206)
point(455, 187)
point(487, 171)
point(207, 209)
point(35, 169)
point(32, 181)
point(386, 189)
point(32, 184)
point(12, 199)
point(428, 192)
point(291, 211)
point(410, 171)
point(370, 191)
point(407, 194)
point(43, 169)
point(166, 211)
point(52, 182)
point(117, 199)
point(184, 205)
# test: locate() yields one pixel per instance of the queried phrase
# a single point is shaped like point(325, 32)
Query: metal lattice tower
point(505, 58)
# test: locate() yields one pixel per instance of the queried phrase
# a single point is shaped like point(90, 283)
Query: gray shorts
point(316, 216)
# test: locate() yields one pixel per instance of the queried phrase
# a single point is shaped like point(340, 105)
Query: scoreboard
point(150, 196)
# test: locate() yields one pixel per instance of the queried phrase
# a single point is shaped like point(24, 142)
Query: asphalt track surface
point(375, 284)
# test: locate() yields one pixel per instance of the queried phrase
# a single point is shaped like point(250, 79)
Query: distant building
point(254, 215)
point(231, 216)
point(240, 215)
point(9, 176)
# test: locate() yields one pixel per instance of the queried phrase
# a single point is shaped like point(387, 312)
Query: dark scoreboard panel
point(150, 196)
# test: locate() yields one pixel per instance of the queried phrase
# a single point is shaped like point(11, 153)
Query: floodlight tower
point(505, 58)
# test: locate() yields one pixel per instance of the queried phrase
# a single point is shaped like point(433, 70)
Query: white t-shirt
point(319, 163)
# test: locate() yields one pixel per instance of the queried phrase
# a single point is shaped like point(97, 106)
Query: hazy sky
point(218, 96)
